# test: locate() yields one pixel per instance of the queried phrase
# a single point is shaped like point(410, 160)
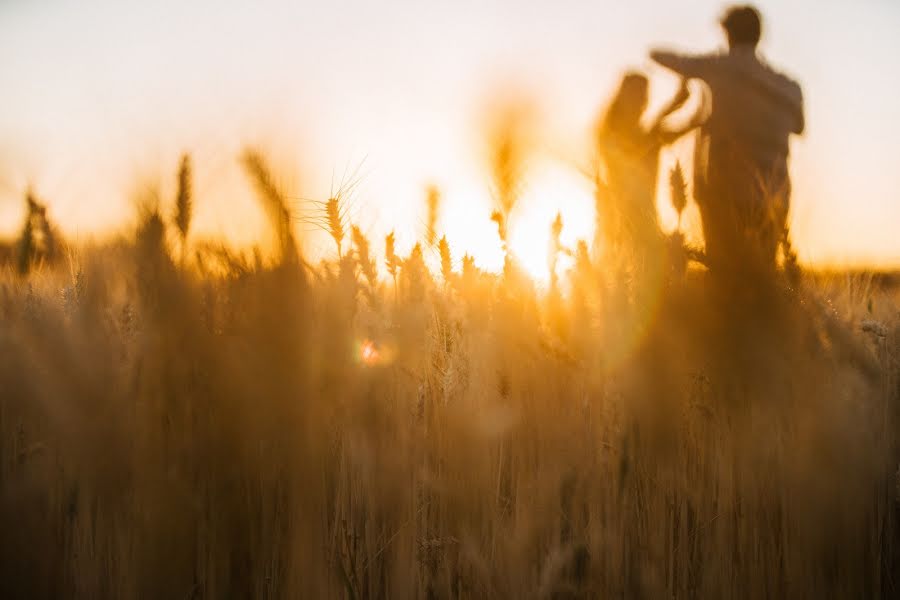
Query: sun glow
point(551, 188)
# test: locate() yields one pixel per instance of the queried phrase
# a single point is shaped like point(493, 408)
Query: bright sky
point(98, 98)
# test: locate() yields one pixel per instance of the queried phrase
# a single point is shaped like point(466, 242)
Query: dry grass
point(220, 427)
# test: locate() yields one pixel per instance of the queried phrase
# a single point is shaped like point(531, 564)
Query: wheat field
point(183, 419)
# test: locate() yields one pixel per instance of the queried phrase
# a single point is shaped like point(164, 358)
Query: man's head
point(742, 25)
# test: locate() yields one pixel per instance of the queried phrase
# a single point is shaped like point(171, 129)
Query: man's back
point(741, 180)
point(754, 108)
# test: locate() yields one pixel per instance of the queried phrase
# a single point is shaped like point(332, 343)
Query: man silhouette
point(741, 179)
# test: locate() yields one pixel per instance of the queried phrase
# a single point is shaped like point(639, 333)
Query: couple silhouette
point(740, 169)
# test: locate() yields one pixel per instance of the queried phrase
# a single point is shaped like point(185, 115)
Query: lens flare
point(368, 353)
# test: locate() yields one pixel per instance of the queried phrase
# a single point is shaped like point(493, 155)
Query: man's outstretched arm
point(686, 66)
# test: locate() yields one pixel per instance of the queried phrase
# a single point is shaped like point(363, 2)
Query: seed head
point(335, 222)
point(184, 201)
point(391, 260)
point(679, 190)
point(446, 260)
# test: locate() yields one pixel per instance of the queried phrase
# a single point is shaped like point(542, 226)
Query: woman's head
point(628, 105)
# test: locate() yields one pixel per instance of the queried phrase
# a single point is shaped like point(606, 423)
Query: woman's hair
point(628, 104)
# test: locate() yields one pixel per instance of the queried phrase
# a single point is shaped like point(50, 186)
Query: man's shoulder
point(783, 79)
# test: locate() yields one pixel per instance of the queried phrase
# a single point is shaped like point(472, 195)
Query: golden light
point(553, 188)
point(368, 353)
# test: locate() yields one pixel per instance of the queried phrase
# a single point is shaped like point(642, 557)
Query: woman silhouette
point(630, 153)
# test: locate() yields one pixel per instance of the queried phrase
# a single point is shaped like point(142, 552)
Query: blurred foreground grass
point(184, 421)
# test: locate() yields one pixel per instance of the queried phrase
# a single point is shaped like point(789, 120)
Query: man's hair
point(743, 25)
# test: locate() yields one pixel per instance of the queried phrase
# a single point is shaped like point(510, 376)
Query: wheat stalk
point(273, 202)
point(391, 260)
point(678, 188)
point(184, 205)
point(363, 256)
point(335, 223)
point(432, 204)
point(446, 260)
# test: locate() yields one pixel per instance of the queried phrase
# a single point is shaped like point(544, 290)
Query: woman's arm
point(677, 101)
point(667, 136)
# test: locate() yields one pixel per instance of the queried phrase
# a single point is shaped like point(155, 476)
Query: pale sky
point(98, 98)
